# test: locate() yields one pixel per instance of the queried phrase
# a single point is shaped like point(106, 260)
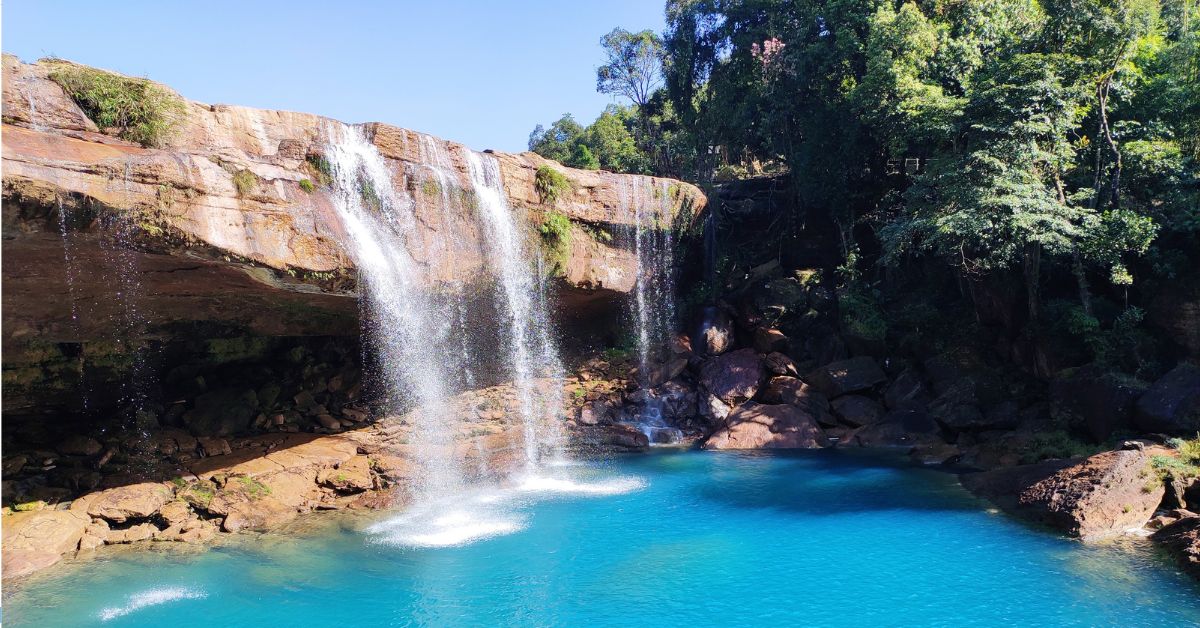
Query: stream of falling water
point(401, 319)
point(419, 342)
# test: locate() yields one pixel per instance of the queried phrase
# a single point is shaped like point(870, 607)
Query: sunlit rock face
point(229, 228)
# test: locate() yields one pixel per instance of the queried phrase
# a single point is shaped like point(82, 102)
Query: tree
point(558, 141)
point(634, 65)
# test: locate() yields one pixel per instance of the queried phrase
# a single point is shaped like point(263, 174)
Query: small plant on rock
point(245, 182)
point(307, 186)
point(556, 235)
point(551, 184)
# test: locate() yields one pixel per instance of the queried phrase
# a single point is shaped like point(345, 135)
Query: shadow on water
point(828, 483)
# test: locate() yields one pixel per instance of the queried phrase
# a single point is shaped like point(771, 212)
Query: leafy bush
point(321, 170)
point(137, 109)
point(861, 315)
point(245, 182)
point(551, 184)
point(556, 235)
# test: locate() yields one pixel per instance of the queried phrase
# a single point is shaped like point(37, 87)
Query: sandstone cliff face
point(97, 227)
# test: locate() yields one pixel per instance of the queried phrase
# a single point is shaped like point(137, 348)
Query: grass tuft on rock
point(133, 109)
point(245, 182)
point(307, 185)
point(551, 184)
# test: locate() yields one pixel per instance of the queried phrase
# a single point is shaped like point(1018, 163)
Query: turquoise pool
point(669, 539)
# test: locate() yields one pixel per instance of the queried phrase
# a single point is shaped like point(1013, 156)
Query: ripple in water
point(151, 597)
point(485, 514)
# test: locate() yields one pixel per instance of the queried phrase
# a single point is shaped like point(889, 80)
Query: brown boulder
point(47, 531)
point(79, 446)
point(847, 376)
point(1172, 404)
point(132, 534)
point(770, 340)
point(136, 501)
point(760, 426)
point(733, 377)
point(857, 410)
point(779, 364)
point(352, 476)
point(715, 333)
point(258, 514)
point(1090, 498)
point(1182, 540)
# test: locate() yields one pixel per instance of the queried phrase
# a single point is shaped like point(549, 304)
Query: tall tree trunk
point(1085, 295)
point(1032, 271)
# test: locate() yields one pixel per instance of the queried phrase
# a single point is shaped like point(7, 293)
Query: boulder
point(906, 427)
point(760, 426)
point(222, 412)
point(79, 446)
point(258, 514)
point(1091, 498)
point(1095, 402)
point(136, 501)
point(713, 410)
point(594, 413)
point(847, 376)
point(351, 476)
point(1172, 404)
point(779, 364)
point(1182, 540)
point(714, 334)
point(132, 534)
point(906, 389)
point(176, 512)
point(618, 436)
point(53, 532)
point(190, 531)
point(857, 410)
point(770, 340)
point(94, 535)
point(792, 391)
point(733, 377)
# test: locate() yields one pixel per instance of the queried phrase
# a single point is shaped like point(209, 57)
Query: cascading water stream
point(650, 210)
point(380, 226)
point(533, 357)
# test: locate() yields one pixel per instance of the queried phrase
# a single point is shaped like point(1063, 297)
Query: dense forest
point(1028, 165)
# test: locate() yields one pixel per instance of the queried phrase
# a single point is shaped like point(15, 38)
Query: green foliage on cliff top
point(551, 184)
point(137, 109)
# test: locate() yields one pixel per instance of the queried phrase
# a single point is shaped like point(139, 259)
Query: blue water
point(689, 539)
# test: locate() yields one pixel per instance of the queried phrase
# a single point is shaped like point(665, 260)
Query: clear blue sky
point(478, 72)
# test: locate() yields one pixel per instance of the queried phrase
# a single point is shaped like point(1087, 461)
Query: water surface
point(673, 539)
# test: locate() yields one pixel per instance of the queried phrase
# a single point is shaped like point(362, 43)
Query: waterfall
point(532, 355)
point(401, 319)
point(648, 206)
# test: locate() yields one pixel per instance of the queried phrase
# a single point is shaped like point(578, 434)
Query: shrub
point(556, 235)
point(319, 167)
point(307, 185)
point(861, 315)
point(1056, 444)
point(245, 182)
point(551, 184)
point(137, 109)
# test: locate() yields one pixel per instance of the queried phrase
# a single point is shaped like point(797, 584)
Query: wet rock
point(1092, 498)
point(1181, 538)
point(351, 476)
point(79, 446)
point(136, 501)
point(857, 410)
point(1172, 404)
point(847, 376)
point(760, 426)
point(733, 377)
